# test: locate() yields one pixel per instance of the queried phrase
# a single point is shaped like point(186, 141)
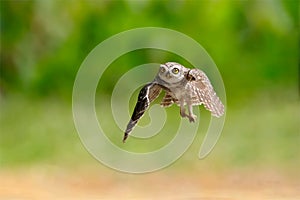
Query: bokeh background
point(255, 45)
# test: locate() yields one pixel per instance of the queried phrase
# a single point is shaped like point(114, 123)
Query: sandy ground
point(94, 183)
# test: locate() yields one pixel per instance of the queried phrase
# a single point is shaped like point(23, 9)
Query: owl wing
point(147, 94)
point(168, 100)
point(203, 92)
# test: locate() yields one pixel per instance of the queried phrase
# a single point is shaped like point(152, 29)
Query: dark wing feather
point(168, 100)
point(204, 92)
point(147, 94)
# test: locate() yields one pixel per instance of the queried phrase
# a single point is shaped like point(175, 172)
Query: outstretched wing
point(203, 92)
point(168, 100)
point(147, 94)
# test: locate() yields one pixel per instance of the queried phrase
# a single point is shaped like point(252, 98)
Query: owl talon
point(183, 115)
point(192, 118)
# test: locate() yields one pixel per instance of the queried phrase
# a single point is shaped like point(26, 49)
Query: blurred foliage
point(43, 43)
point(254, 44)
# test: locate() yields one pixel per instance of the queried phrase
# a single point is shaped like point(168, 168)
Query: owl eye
point(162, 69)
point(175, 70)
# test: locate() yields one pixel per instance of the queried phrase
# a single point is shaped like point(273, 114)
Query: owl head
point(171, 72)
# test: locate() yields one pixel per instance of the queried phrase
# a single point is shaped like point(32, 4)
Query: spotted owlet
point(182, 86)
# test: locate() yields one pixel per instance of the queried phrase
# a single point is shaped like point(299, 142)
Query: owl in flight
point(182, 86)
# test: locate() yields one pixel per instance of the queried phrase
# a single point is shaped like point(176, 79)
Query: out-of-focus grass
point(34, 131)
point(262, 132)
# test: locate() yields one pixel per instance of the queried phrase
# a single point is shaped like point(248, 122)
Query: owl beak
point(168, 75)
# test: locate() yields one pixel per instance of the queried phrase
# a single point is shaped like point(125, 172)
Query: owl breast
point(182, 91)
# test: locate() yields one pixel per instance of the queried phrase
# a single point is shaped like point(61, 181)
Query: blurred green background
point(254, 44)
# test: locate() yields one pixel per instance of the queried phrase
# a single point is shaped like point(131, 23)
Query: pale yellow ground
point(45, 183)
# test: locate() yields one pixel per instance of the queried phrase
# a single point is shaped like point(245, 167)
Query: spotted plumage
point(182, 86)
